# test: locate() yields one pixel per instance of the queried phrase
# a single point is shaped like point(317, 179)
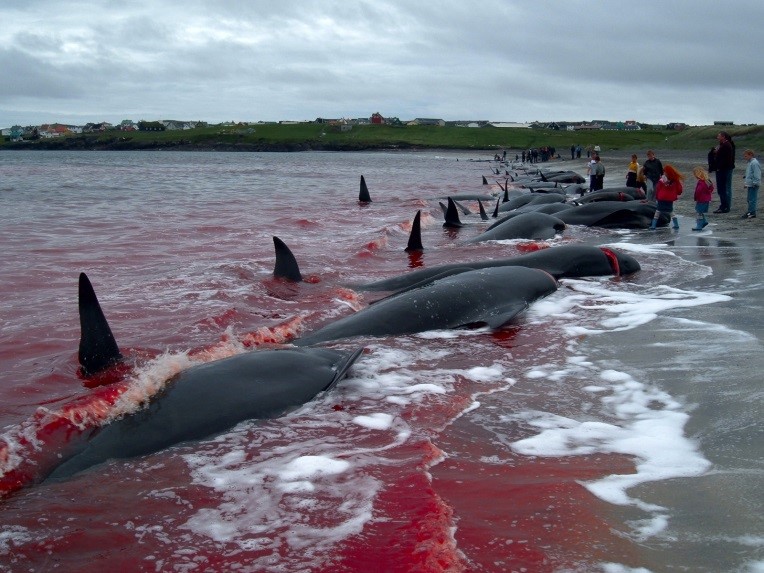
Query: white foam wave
point(634, 417)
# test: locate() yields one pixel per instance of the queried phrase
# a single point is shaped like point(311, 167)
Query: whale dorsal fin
point(505, 199)
point(415, 237)
point(98, 348)
point(485, 181)
point(286, 265)
point(363, 194)
point(452, 215)
point(483, 215)
point(496, 210)
point(462, 208)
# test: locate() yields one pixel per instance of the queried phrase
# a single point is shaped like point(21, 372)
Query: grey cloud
point(496, 59)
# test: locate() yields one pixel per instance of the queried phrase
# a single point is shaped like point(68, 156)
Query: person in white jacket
point(751, 182)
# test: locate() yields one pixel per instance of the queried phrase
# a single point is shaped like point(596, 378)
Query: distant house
point(15, 133)
point(51, 130)
point(427, 121)
point(510, 124)
point(587, 126)
point(172, 124)
point(676, 126)
point(93, 127)
point(377, 119)
point(175, 125)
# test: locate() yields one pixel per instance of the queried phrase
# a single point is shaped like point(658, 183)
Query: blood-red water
point(178, 247)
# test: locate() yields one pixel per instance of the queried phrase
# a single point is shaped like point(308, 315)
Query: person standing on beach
point(725, 163)
point(667, 190)
point(641, 181)
point(590, 173)
point(598, 170)
point(653, 169)
point(704, 190)
point(631, 172)
point(752, 182)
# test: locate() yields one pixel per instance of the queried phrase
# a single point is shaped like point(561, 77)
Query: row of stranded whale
point(213, 397)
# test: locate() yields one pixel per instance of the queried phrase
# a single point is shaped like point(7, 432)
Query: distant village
point(48, 131)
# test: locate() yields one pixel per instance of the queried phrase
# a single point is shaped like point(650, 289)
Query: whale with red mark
point(564, 261)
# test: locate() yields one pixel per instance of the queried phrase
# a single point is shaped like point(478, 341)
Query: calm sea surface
point(616, 426)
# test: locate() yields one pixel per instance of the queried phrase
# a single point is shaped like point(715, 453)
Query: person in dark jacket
point(712, 160)
point(725, 164)
point(653, 169)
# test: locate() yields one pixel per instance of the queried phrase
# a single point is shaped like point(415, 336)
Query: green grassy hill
point(306, 136)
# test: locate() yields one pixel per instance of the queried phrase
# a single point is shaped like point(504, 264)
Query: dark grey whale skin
point(489, 296)
point(564, 261)
point(211, 398)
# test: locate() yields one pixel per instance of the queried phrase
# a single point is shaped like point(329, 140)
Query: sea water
point(615, 426)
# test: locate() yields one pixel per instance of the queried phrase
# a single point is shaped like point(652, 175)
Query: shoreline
point(730, 225)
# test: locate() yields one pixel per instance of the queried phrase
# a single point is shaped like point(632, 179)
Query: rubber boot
point(654, 224)
point(674, 223)
point(698, 225)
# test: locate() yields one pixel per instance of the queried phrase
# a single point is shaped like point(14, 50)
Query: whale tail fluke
point(415, 237)
point(98, 348)
point(363, 194)
point(452, 215)
point(286, 265)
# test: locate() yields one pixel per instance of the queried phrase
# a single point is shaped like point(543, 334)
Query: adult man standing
point(725, 163)
point(599, 173)
point(653, 169)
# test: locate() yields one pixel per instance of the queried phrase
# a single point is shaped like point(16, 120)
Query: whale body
point(213, 397)
point(489, 296)
point(564, 261)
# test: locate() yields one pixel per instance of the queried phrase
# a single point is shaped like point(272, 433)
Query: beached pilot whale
point(531, 225)
point(564, 261)
point(613, 215)
point(490, 296)
point(204, 400)
point(212, 398)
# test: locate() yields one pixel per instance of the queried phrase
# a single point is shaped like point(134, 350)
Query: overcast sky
point(655, 61)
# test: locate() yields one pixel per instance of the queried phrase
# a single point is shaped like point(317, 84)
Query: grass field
point(316, 136)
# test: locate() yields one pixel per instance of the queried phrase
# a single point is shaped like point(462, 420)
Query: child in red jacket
point(667, 190)
point(704, 190)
